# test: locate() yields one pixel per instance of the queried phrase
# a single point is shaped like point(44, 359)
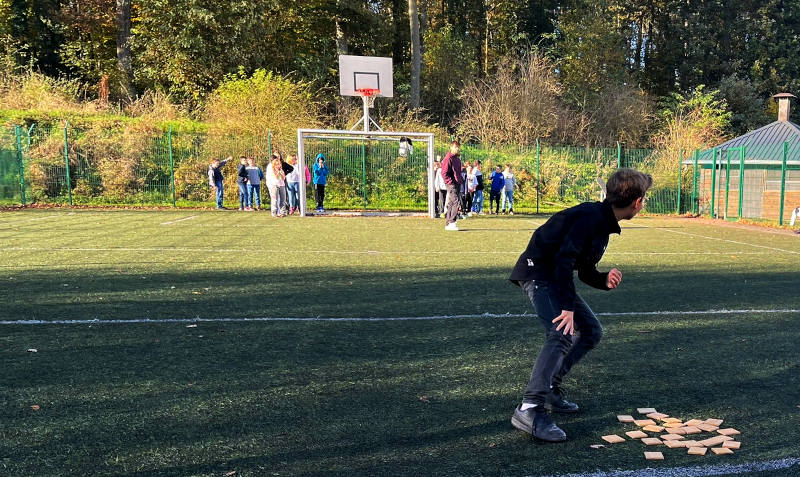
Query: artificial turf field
point(373, 397)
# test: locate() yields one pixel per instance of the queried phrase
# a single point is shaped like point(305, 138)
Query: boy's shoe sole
point(552, 434)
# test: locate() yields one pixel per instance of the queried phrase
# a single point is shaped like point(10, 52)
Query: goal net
point(374, 170)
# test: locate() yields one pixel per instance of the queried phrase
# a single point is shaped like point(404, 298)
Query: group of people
point(282, 178)
point(465, 181)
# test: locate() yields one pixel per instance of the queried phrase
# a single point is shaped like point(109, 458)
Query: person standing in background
point(320, 180)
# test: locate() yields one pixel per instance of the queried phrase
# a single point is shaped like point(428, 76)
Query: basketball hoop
point(369, 95)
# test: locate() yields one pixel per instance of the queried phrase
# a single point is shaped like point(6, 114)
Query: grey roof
point(763, 145)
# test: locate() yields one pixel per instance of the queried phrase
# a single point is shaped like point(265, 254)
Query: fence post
point(741, 180)
point(712, 212)
point(680, 165)
point(364, 171)
point(783, 179)
point(695, 204)
point(21, 165)
point(538, 185)
point(171, 164)
point(66, 163)
point(619, 155)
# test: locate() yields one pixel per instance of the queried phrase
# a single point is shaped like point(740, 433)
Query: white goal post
point(304, 134)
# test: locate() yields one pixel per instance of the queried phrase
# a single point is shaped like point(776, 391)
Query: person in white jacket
point(508, 190)
point(440, 189)
point(276, 178)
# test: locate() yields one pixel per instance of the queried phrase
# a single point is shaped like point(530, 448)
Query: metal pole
point(783, 180)
point(713, 212)
point(431, 178)
point(364, 171)
point(21, 165)
point(538, 155)
point(619, 155)
point(171, 164)
point(741, 180)
point(66, 163)
point(366, 113)
point(695, 205)
point(301, 161)
point(727, 182)
point(680, 165)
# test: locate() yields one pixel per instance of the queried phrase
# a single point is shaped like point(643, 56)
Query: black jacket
point(573, 239)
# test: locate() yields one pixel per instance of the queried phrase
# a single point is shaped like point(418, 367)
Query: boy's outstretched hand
point(614, 278)
point(566, 318)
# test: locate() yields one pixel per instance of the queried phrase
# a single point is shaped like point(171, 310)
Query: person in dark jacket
point(241, 181)
point(498, 184)
point(320, 180)
point(573, 239)
point(451, 173)
point(215, 179)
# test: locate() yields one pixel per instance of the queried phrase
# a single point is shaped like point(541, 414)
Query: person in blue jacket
point(320, 179)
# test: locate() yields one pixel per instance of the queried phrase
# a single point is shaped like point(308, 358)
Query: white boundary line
point(696, 471)
point(31, 220)
point(332, 252)
point(369, 319)
point(179, 220)
point(775, 249)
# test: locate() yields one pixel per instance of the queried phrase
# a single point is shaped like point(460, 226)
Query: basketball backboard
point(365, 72)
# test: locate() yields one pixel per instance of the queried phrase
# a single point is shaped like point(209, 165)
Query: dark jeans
point(243, 195)
point(560, 352)
point(494, 201)
point(451, 204)
point(442, 201)
point(319, 195)
point(220, 194)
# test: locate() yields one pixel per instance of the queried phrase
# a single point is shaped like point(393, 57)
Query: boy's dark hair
point(626, 185)
point(242, 157)
point(455, 143)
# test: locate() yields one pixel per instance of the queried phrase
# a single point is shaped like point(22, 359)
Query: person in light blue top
point(320, 180)
point(254, 177)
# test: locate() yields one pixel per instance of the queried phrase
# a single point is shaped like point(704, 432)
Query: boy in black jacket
point(573, 239)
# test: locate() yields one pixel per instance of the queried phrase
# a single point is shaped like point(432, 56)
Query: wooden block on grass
point(671, 419)
point(624, 418)
point(613, 439)
point(635, 434)
point(645, 410)
point(654, 456)
point(715, 441)
point(732, 444)
point(707, 427)
point(714, 422)
point(674, 444)
point(691, 429)
point(673, 425)
point(721, 450)
point(653, 428)
point(657, 415)
point(645, 422)
point(728, 432)
point(697, 451)
point(651, 441)
point(671, 437)
point(693, 422)
point(689, 443)
point(676, 430)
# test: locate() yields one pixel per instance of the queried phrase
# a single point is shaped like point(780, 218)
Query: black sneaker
point(537, 422)
point(556, 403)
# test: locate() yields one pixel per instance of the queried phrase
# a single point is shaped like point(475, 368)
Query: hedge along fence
point(96, 165)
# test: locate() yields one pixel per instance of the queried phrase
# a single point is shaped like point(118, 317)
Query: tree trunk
point(124, 63)
point(341, 41)
point(416, 57)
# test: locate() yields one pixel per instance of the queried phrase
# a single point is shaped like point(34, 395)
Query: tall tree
point(124, 60)
point(416, 59)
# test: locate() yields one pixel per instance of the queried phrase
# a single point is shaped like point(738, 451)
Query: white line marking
point(336, 252)
point(179, 220)
point(727, 240)
point(368, 319)
point(696, 471)
point(31, 220)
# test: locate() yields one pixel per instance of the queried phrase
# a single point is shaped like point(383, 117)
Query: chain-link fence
point(86, 166)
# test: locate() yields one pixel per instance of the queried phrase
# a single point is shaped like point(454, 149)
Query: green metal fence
point(74, 166)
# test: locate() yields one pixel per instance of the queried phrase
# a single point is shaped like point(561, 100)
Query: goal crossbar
point(303, 134)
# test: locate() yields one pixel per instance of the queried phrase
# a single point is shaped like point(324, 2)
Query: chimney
point(784, 105)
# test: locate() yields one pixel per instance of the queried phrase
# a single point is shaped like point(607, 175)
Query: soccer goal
point(370, 170)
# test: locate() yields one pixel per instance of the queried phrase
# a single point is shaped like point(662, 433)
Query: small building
point(747, 176)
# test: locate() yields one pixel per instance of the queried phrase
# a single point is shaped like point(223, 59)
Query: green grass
point(346, 398)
